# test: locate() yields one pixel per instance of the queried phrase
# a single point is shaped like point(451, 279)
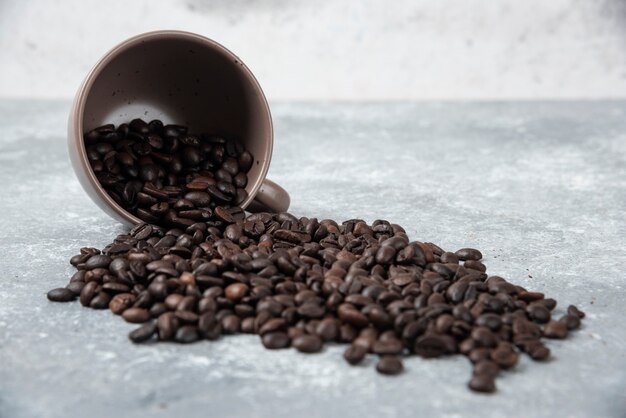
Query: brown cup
point(177, 77)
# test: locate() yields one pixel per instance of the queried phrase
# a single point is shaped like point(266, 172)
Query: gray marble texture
point(540, 188)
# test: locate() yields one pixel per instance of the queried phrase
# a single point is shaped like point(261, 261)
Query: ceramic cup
point(177, 77)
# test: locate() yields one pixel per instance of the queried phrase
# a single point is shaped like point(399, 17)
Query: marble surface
point(340, 50)
point(540, 188)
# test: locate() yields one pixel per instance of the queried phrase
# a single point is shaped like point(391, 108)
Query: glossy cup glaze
point(177, 77)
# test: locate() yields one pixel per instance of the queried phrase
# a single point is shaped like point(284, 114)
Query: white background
point(341, 50)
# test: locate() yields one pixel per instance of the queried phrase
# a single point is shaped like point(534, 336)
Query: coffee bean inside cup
point(302, 282)
point(166, 175)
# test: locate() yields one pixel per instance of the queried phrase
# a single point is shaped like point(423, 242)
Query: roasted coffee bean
point(389, 365)
point(167, 325)
point(482, 383)
point(77, 286)
point(186, 334)
point(468, 254)
point(311, 310)
point(136, 315)
point(143, 333)
point(327, 329)
point(538, 313)
point(489, 320)
point(275, 340)
point(96, 261)
point(209, 327)
point(351, 316)
point(555, 329)
point(538, 351)
point(486, 367)
point(121, 302)
point(504, 358)
point(231, 324)
point(245, 161)
point(355, 353)
point(571, 321)
point(434, 345)
point(307, 343)
point(484, 337)
point(61, 294)
point(393, 346)
point(88, 293)
point(236, 291)
point(573, 310)
point(100, 301)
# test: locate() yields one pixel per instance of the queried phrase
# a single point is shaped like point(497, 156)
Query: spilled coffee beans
point(208, 270)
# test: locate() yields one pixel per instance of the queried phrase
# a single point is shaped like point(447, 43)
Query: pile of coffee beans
point(303, 283)
point(163, 174)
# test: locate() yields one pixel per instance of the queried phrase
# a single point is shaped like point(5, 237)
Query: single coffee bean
point(121, 302)
point(539, 352)
point(504, 358)
point(187, 334)
point(389, 365)
point(100, 301)
point(167, 325)
point(573, 310)
point(143, 333)
point(571, 321)
point(355, 353)
point(468, 254)
point(199, 199)
point(96, 261)
point(88, 293)
point(136, 315)
point(209, 327)
point(486, 367)
point(538, 313)
point(482, 383)
point(275, 340)
point(77, 286)
point(327, 329)
point(393, 346)
point(433, 345)
point(555, 329)
point(236, 291)
point(231, 324)
point(61, 294)
point(307, 343)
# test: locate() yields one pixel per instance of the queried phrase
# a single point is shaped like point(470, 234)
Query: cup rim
point(83, 92)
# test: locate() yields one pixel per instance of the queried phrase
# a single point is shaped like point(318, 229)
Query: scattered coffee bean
point(236, 291)
point(274, 340)
point(307, 343)
point(355, 353)
point(61, 294)
point(482, 383)
point(468, 254)
point(143, 333)
point(136, 315)
point(571, 321)
point(201, 272)
point(555, 329)
point(187, 334)
point(389, 365)
point(573, 310)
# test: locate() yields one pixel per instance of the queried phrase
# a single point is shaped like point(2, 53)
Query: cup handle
point(270, 198)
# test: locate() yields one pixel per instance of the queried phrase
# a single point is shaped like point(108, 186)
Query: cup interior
point(185, 79)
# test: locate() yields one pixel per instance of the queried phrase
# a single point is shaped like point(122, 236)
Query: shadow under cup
point(184, 79)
